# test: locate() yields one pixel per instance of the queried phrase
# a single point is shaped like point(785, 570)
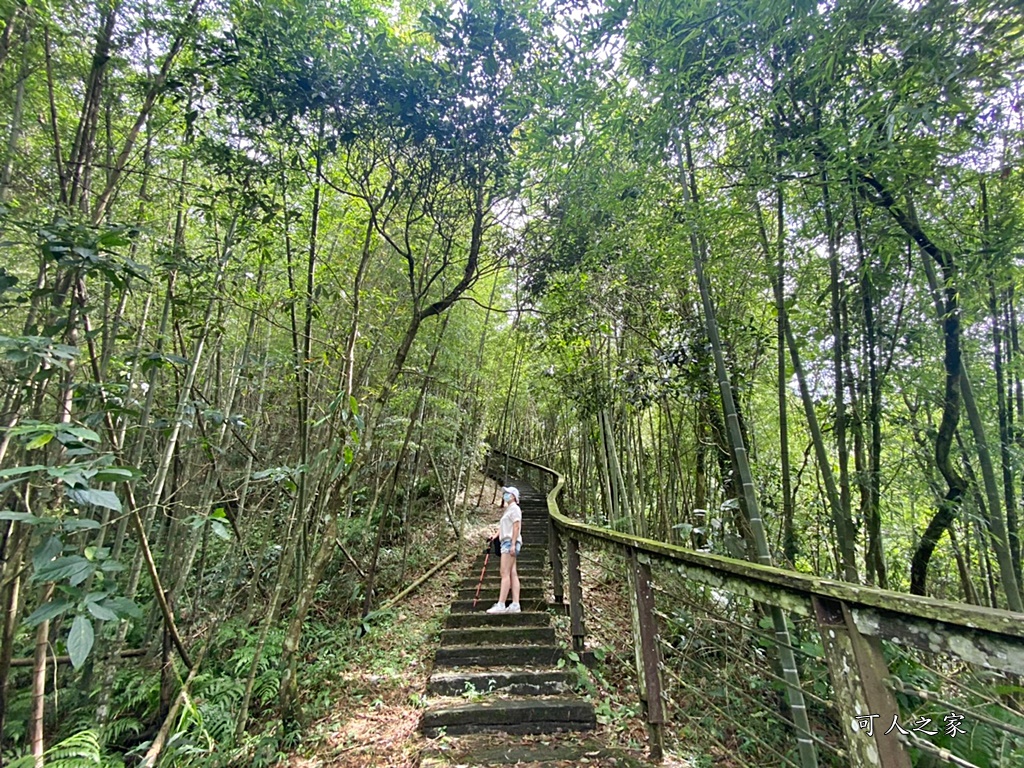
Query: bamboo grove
point(846, 175)
point(272, 274)
point(240, 357)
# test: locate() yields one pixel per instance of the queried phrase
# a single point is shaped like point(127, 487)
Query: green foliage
point(81, 750)
point(304, 185)
point(930, 696)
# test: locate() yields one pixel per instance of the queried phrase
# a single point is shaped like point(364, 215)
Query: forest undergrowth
point(369, 708)
point(378, 694)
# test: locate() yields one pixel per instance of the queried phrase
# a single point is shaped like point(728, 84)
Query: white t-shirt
point(512, 515)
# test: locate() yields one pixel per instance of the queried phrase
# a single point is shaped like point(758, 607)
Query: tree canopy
point(273, 275)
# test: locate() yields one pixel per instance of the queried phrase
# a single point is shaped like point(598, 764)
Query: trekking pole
point(482, 572)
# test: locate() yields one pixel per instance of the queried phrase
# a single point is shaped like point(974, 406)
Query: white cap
point(512, 490)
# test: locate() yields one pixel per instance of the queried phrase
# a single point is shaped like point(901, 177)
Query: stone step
point(486, 601)
point(497, 655)
point(532, 549)
point(498, 636)
point(535, 575)
point(493, 582)
point(572, 749)
point(490, 588)
point(509, 682)
point(524, 564)
point(533, 715)
point(526, 593)
point(528, 565)
point(484, 619)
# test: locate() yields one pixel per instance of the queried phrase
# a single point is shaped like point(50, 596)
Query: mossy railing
point(939, 642)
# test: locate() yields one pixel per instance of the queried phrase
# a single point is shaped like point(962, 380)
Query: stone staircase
point(506, 662)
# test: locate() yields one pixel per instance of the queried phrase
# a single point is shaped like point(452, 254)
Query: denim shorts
point(506, 547)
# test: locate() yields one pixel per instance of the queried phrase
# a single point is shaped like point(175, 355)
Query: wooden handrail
point(973, 633)
point(851, 621)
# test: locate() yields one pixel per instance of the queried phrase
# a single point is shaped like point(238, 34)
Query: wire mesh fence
point(884, 679)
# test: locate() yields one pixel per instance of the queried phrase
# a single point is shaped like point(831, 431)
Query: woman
point(510, 535)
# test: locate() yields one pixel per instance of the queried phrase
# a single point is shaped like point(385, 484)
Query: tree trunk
point(950, 313)
point(841, 522)
point(15, 549)
point(83, 147)
point(37, 735)
point(14, 139)
point(996, 317)
point(957, 384)
point(777, 270)
point(269, 618)
point(371, 572)
point(12, 20)
point(871, 488)
point(836, 290)
point(188, 25)
point(794, 693)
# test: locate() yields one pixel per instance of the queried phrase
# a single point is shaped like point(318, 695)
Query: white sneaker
point(514, 608)
point(499, 608)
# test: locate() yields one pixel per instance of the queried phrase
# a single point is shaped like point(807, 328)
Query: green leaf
point(11, 483)
point(114, 475)
point(92, 554)
point(46, 611)
point(71, 475)
point(15, 471)
point(684, 529)
point(113, 238)
point(106, 499)
point(75, 569)
point(74, 524)
point(80, 641)
point(39, 441)
point(220, 530)
point(82, 433)
point(124, 607)
point(21, 517)
point(101, 612)
point(46, 552)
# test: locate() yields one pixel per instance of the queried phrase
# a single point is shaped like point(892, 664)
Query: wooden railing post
point(572, 548)
point(555, 557)
point(858, 669)
point(645, 646)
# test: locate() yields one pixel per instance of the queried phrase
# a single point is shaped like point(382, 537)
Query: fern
point(267, 686)
point(80, 750)
point(116, 729)
point(77, 751)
